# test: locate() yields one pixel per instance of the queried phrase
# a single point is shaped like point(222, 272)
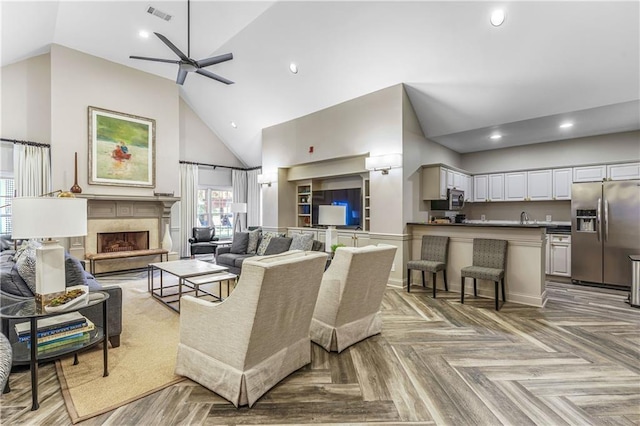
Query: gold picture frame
point(122, 149)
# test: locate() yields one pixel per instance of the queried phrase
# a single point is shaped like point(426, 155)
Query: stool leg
point(475, 289)
point(497, 298)
point(433, 277)
point(504, 297)
point(408, 280)
point(423, 283)
point(446, 285)
point(461, 289)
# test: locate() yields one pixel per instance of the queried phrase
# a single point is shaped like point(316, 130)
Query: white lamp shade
point(382, 162)
point(48, 217)
point(332, 215)
point(238, 207)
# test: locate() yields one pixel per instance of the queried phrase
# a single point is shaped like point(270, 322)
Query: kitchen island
point(525, 269)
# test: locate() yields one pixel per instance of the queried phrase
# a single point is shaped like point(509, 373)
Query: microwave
point(454, 201)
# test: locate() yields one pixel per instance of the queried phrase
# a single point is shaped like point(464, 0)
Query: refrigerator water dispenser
point(586, 220)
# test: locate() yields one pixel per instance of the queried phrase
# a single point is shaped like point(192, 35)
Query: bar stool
point(433, 258)
point(489, 259)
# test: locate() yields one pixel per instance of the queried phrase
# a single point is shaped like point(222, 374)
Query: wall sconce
point(383, 163)
point(267, 179)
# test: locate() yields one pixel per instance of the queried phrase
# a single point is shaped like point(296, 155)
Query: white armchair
point(242, 347)
point(350, 295)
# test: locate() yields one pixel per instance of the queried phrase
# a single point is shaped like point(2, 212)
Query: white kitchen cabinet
point(623, 171)
point(434, 183)
point(496, 187)
point(458, 180)
point(515, 186)
point(539, 185)
point(481, 188)
point(450, 178)
point(589, 173)
point(468, 189)
point(562, 180)
point(560, 255)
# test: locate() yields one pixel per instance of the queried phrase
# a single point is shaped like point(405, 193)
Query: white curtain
point(239, 183)
point(32, 170)
point(188, 205)
point(253, 198)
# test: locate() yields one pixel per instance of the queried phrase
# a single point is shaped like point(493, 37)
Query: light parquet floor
point(573, 362)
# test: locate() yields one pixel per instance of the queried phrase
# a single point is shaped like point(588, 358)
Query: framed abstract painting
point(122, 149)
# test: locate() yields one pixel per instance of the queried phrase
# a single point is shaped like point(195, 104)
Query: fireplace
point(109, 242)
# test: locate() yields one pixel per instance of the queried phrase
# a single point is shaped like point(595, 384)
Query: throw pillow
point(240, 243)
point(264, 243)
point(26, 264)
point(301, 242)
point(73, 271)
point(278, 245)
point(254, 239)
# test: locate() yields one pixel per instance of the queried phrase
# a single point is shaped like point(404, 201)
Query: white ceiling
point(549, 61)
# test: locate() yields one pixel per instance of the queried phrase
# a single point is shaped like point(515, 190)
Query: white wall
point(26, 100)
point(78, 81)
point(198, 143)
point(371, 123)
point(611, 148)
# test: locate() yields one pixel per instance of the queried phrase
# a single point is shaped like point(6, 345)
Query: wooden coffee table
point(182, 269)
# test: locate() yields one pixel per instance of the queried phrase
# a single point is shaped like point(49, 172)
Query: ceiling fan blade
point(182, 74)
point(214, 60)
point(214, 76)
point(172, 47)
point(169, 61)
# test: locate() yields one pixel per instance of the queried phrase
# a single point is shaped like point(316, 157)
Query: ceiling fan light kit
point(187, 64)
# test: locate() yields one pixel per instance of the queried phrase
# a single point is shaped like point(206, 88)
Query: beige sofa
point(242, 347)
point(347, 310)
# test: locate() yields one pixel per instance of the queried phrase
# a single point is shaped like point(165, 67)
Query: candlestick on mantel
point(76, 188)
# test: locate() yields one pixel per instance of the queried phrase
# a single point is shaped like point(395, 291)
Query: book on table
point(55, 328)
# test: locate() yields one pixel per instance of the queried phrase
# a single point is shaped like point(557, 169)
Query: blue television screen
point(351, 198)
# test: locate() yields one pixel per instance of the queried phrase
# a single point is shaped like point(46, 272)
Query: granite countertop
point(551, 226)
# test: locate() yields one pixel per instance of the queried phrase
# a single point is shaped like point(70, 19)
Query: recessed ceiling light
point(293, 68)
point(566, 125)
point(495, 137)
point(143, 34)
point(497, 17)
point(234, 125)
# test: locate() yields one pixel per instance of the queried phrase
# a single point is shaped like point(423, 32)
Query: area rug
point(142, 364)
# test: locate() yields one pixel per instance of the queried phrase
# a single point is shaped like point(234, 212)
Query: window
point(6, 193)
point(214, 209)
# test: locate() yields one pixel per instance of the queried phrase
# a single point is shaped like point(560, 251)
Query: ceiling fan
point(186, 64)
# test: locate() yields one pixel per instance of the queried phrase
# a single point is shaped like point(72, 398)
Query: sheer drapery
point(188, 205)
point(32, 170)
point(253, 198)
point(239, 183)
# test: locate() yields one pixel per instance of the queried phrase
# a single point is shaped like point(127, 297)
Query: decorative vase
point(166, 240)
point(76, 188)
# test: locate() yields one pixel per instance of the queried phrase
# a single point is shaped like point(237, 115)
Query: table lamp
point(331, 216)
point(49, 218)
point(238, 208)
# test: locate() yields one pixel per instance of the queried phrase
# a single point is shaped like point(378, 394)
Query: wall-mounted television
point(350, 198)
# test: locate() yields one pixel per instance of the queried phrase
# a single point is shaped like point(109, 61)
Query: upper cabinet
point(623, 171)
point(562, 180)
point(589, 173)
point(437, 179)
point(488, 187)
point(540, 185)
point(515, 186)
point(496, 187)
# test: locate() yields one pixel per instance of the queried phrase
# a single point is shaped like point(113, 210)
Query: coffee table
point(182, 269)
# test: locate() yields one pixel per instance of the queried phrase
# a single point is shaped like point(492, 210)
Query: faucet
point(524, 218)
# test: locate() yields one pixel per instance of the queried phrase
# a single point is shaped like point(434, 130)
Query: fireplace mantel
point(111, 197)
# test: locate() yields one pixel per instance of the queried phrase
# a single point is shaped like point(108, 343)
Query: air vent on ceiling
point(160, 14)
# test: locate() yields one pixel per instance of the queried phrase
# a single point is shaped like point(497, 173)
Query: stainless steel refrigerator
point(605, 230)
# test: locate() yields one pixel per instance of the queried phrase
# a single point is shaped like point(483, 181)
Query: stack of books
point(59, 332)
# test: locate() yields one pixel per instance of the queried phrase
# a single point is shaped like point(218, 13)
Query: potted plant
point(334, 247)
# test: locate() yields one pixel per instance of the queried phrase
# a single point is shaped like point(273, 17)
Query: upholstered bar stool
point(489, 259)
point(433, 258)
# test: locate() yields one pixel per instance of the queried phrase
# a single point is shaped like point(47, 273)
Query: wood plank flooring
point(573, 362)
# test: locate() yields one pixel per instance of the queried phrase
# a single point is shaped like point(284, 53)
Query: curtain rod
point(26, 142)
point(215, 166)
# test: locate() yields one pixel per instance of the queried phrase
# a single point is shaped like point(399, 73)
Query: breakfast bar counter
point(524, 273)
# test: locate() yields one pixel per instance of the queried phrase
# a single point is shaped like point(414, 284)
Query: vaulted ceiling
point(549, 62)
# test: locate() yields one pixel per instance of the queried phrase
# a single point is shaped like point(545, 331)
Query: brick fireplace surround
point(108, 213)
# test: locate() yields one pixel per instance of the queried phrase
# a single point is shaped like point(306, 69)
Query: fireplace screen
point(122, 241)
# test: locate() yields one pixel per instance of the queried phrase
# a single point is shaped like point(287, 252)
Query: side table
point(22, 354)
